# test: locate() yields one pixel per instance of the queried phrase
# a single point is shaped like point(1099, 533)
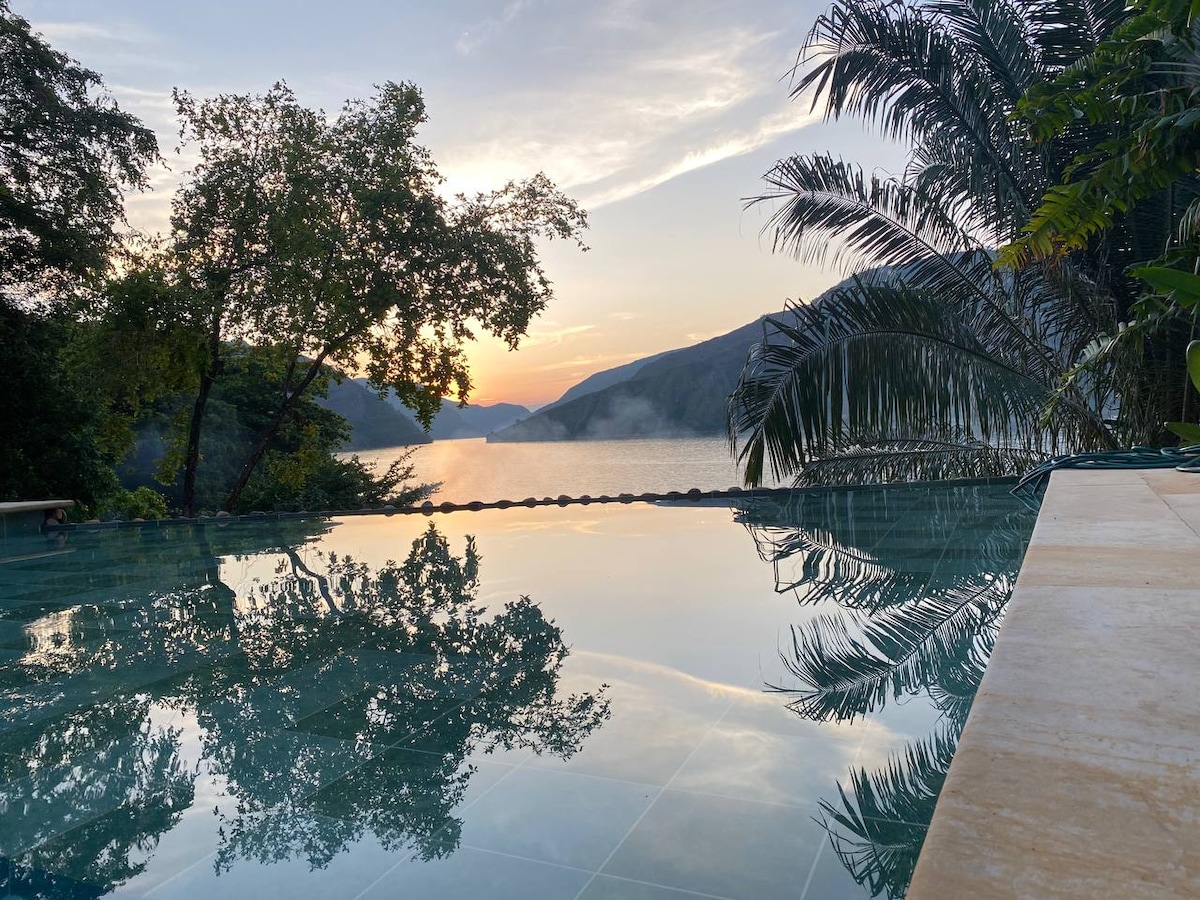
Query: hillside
point(675, 394)
point(602, 379)
point(453, 421)
point(373, 422)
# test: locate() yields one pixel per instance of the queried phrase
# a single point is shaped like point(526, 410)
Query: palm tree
point(933, 363)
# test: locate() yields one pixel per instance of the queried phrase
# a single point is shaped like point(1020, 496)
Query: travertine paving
point(1078, 773)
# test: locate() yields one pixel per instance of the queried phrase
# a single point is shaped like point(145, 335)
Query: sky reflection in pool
point(570, 705)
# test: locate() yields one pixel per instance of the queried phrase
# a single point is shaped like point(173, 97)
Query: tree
point(54, 441)
point(935, 364)
point(329, 239)
point(67, 152)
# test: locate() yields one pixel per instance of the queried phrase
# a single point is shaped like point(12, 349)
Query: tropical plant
point(1142, 85)
point(933, 363)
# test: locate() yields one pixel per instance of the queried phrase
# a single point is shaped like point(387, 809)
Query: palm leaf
point(847, 666)
point(868, 361)
point(879, 827)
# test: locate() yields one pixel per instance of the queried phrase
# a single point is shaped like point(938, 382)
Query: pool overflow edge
point(694, 495)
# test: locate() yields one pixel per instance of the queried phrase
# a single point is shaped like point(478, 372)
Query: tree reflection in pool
point(295, 681)
point(920, 581)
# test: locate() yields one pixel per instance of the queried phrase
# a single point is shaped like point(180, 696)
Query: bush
point(142, 503)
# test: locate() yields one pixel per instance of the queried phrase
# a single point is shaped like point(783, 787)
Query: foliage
point(52, 443)
point(67, 152)
point(140, 503)
point(329, 239)
point(300, 469)
point(1139, 90)
point(882, 382)
point(934, 364)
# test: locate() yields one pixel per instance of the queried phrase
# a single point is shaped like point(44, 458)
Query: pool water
point(635, 701)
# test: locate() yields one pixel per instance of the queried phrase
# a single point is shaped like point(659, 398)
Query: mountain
point(453, 422)
point(606, 378)
point(679, 393)
point(373, 422)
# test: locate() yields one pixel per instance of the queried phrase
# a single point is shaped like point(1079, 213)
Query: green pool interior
point(638, 701)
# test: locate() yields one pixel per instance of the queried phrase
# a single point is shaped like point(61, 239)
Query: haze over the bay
point(659, 117)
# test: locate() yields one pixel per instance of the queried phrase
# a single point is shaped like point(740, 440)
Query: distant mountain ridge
point(452, 421)
point(678, 393)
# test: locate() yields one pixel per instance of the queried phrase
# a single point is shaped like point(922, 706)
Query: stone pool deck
point(1078, 773)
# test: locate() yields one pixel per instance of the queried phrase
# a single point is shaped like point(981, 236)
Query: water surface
point(473, 469)
point(591, 702)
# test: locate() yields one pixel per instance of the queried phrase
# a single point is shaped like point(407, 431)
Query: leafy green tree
point(934, 364)
point(1139, 88)
point(67, 152)
point(53, 443)
point(328, 238)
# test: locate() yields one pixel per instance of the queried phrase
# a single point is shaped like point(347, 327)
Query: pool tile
point(474, 874)
point(713, 845)
point(380, 716)
point(421, 790)
point(19, 880)
point(829, 879)
point(285, 859)
point(772, 768)
point(555, 817)
point(605, 887)
point(40, 807)
point(285, 765)
point(646, 745)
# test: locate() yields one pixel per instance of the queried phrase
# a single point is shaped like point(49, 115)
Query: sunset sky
point(659, 117)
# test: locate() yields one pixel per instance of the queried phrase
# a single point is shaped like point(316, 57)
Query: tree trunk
point(191, 460)
point(264, 440)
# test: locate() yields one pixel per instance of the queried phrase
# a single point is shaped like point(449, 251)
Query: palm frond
point(848, 666)
point(879, 827)
point(878, 220)
point(898, 68)
point(890, 460)
point(869, 361)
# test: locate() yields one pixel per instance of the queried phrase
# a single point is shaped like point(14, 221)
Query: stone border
point(1077, 775)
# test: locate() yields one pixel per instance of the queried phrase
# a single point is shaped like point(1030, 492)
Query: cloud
point(738, 143)
point(539, 336)
point(639, 95)
point(487, 30)
point(589, 364)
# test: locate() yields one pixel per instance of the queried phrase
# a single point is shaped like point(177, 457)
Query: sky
point(658, 116)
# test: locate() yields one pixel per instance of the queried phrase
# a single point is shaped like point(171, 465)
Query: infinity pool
point(640, 702)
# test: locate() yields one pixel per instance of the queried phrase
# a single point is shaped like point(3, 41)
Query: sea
point(472, 469)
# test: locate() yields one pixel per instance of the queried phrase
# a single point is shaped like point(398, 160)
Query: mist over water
point(473, 469)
